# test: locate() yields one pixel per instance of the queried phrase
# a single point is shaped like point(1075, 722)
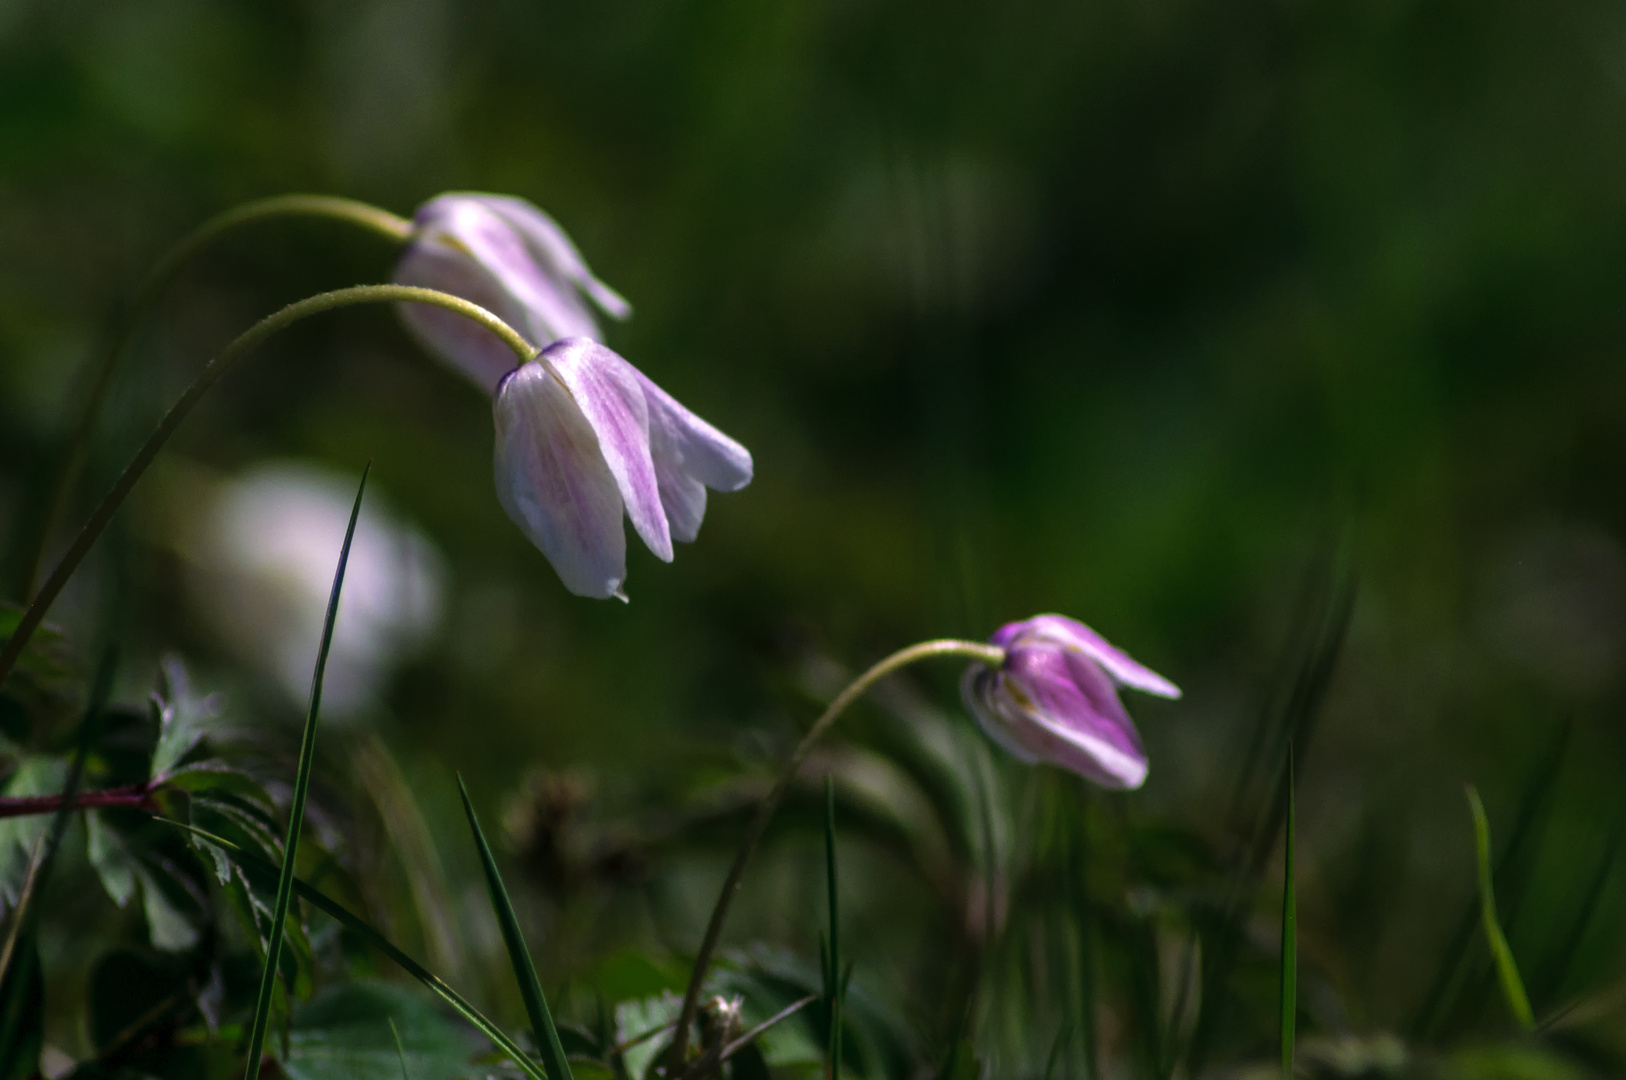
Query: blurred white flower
point(263, 553)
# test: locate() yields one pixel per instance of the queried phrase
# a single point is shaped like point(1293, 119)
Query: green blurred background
point(1141, 312)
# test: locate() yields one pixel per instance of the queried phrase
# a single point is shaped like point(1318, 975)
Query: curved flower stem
point(366, 216)
point(356, 294)
point(972, 650)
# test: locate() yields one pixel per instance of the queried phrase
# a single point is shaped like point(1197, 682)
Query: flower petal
point(1118, 664)
point(554, 483)
point(1076, 719)
point(694, 446)
point(608, 391)
point(683, 497)
point(553, 309)
point(551, 246)
point(979, 689)
point(457, 341)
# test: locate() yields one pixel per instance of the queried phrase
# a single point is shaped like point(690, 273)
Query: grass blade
point(833, 981)
point(1443, 1002)
point(1290, 932)
point(368, 933)
point(400, 1050)
point(530, 988)
point(1506, 969)
point(1293, 724)
point(296, 810)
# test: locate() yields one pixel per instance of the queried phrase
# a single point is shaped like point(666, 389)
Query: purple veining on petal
point(554, 483)
point(1071, 699)
point(607, 390)
point(1118, 664)
point(1071, 633)
point(553, 308)
point(552, 246)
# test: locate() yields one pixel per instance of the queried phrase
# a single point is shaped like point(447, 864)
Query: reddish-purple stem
point(135, 796)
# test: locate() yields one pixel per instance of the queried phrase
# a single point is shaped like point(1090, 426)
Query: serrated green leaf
point(634, 1019)
point(252, 864)
point(110, 857)
point(183, 717)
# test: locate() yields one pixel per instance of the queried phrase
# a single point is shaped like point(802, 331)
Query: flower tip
point(620, 593)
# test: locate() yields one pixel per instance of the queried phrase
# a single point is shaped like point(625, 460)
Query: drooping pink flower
point(583, 437)
point(512, 259)
point(1055, 699)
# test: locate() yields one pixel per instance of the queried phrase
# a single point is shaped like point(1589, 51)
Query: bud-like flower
point(1055, 699)
point(510, 258)
point(582, 436)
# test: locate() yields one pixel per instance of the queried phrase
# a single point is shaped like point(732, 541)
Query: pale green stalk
point(361, 214)
point(973, 650)
point(254, 335)
point(1507, 970)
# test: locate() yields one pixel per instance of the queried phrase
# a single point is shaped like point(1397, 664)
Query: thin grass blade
point(400, 1050)
point(367, 932)
point(1290, 932)
point(1443, 1001)
point(296, 809)
point(1294, 723)
point(530, 987)
point(833, 987)
point(1506, 969)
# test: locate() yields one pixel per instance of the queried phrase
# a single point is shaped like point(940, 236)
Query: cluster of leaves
point(177, 834)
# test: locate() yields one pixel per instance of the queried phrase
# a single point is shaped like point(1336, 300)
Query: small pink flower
point(512, 259)
point(583, 437)
point(1055, 699)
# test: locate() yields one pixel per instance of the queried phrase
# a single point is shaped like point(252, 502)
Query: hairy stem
point(988, 654)
point(362, 214)
point(254, 335)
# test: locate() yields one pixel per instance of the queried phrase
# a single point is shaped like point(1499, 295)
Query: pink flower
point(583, 437)
point(512, 259)
point(1055, 699)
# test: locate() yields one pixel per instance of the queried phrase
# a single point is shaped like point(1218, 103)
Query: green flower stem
point(254, 335)
point(386, 224)
point(972, 650)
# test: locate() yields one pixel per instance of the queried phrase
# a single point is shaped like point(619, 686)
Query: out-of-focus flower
point(513, 260)
point(582, 436)
point(1055, 699)
point(261, 556)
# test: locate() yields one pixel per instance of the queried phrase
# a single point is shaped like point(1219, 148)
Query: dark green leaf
point(345, 1033)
